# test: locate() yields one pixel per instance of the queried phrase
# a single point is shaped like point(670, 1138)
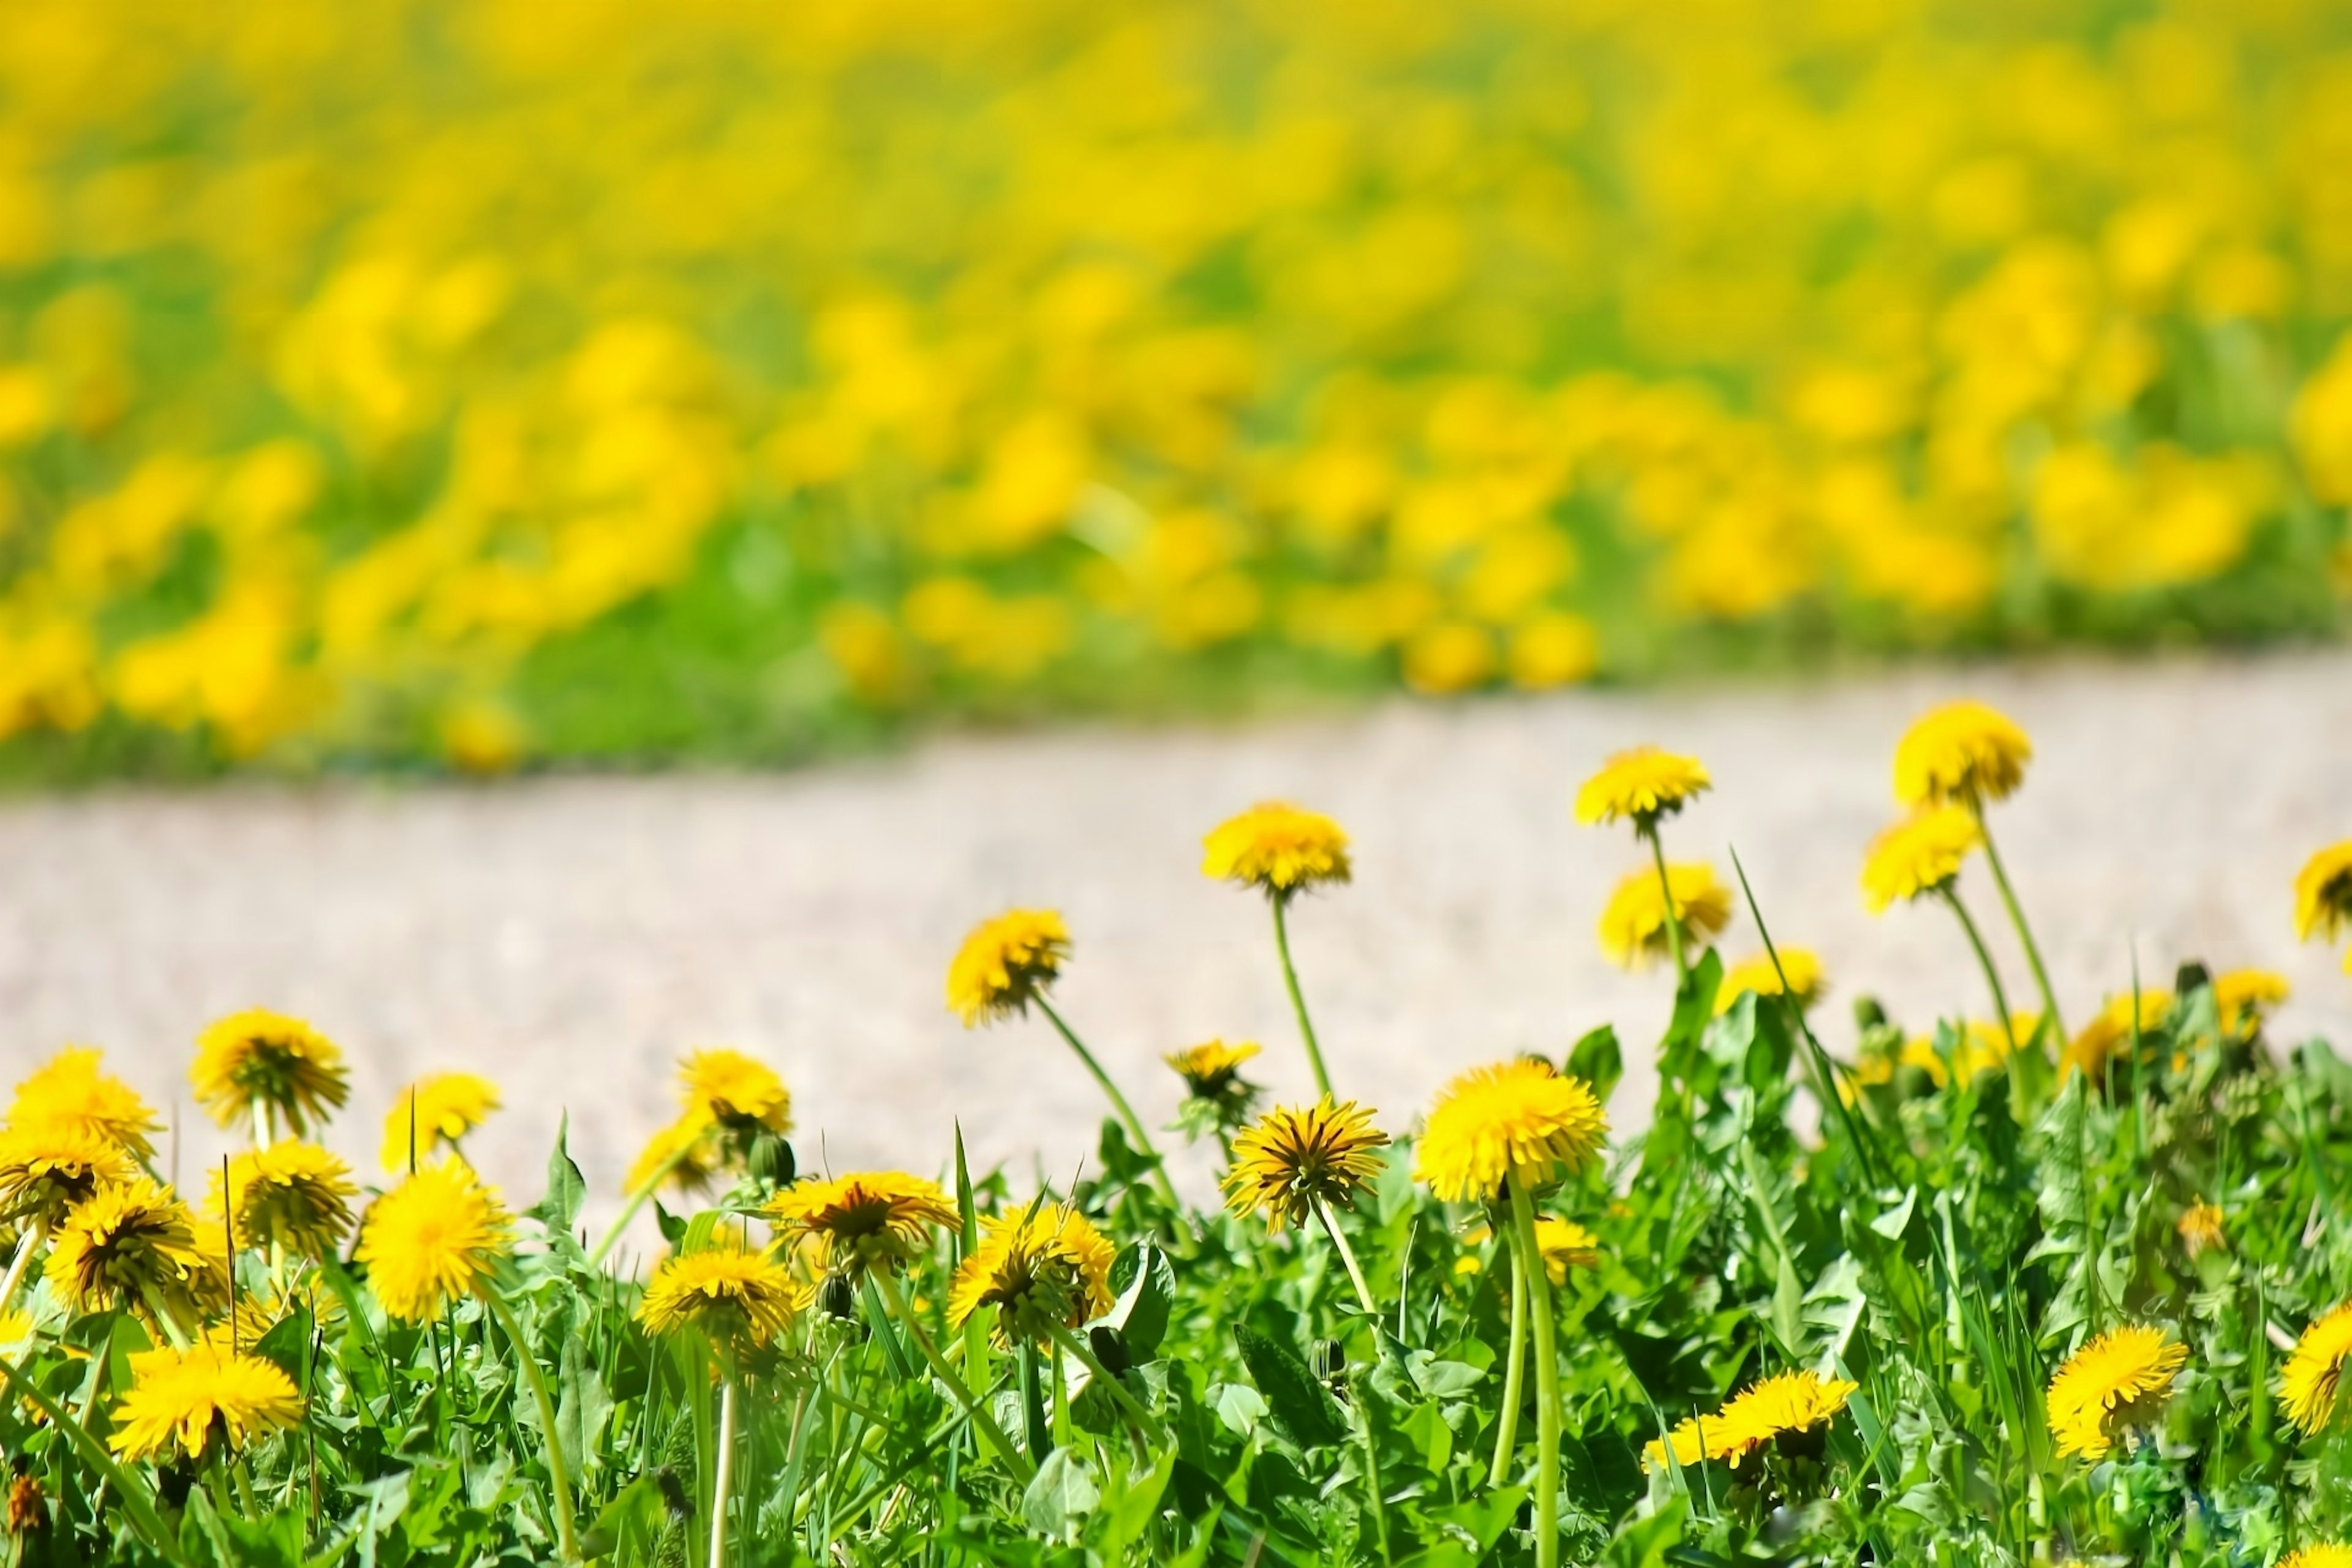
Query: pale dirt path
point(569, 936)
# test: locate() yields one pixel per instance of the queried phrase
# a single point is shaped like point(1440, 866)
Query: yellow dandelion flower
point(1295, 1157)
point(28, 1505)
point(435, 1236)
point(737, 1297)
point(1520, 1121)
point(432, 1111)
point(1958, 753)
point(295, 1195)
point(183, 1397)
point(1277, 848)
point(136, 1246)
point(1787, 1406)
point(1758, 974)
point(1641, 785)
point(1919, 856)
point(734, 1090)
point(2323, 894)
point(2318, 1557)
point(2244, 996)
point(2110, 1028)
point(71, 1088)
point(2118, 1381)
point(2313, 1381)
point(1633, 925)
point(686, 1155)
point(260, 1059)
point(1005, 963)
point(856, 1221)
point(1565, 1245)
point(2200, 1229)
point(46, 1167)
point(1040, 1267)
point(1213, 1070)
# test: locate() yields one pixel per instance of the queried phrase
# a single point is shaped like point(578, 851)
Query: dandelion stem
point(1281, 903)
point(2017, 918)
point(1515, 1367)
point(1666, 892)
point(26, 1245)
point(1146, 1424)
point(982, 1421)
point(558, 1476)
point(1523, 1237)
point(1347, 1256)
point(1984, 959)
point(1125, 1112)
point(724, 1469)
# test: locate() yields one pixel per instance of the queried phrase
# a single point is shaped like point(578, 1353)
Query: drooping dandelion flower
point(1785, 1406)
point(2312, 1383)
point(1758, 974)
point(435, 1110)
point(1519, 1121)
point(1633, 925)
point(2323, 894)
point(2117, 1382)
point(1005, 963)
point(2200, 1229)
point(1295, 1157)
point(686, 1155)
point(183, 1397)
point(2110, 1027)
point(260, 1059)
point(293, 1194)
point(2244, 996)
point(875, 1218)
point(1960, 753)
point(46, 1167)
point(1214, 1070)
point(1565, 1245)
point(135, 1246)
point(738, 1297)
point(1042, 1267)
point(71, 1089)
point(1277, 848)
point(2326, 1556)
point(1920, 856)
point(735, 1091)
point(434, 1237)
point(1641, 785)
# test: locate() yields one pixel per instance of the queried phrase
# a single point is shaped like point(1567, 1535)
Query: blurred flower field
point(388, 381)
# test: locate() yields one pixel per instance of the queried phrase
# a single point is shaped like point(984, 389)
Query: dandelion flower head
point(858, 1221)
point(46, 1167)
point(685, 1155)
point(1278, 847)
point(432, 1111)
point(1519, 1121)
point(1565, 1245)
point(1211, 1070)
point(2110, 1027)
point(2312, 1384)
point(1960, 753)
point(1919, 856)
point(734, 1090)
point(179, 1398)
point(1005, 963)
point(1758, 974)
point(2244, 996)
point(1295, 1157)
point(1641, 785)
point(1041, 1268)
point(260, 1058)
point(1785, 1406)
point(2199, 1228)
point(1634, 924)
point(736, 1297)
point(2323, 894)
point(2325, 1556)
point(71, 1089)
point(434, 1237)
point(134, 1245)
point(295, 1195)
point(2117, 1381)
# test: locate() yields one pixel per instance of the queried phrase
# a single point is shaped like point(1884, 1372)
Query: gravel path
point(570, 936)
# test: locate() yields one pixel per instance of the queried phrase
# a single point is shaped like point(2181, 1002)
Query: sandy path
point(570, 936)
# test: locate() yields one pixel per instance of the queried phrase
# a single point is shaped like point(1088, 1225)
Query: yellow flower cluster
point(1786, 1406)
point(1414, 343)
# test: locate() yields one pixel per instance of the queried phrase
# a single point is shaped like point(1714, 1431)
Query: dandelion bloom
point(435, 1110)
point(2200, 1227)
point(856, 1221)
point(71, 1088)
point(1919, 856)
point(1634, 924)
point(1295, 1157)
point(1643, 785)
point(135, 1246)
point(2110, 1027)
point(685, 1155)
point(1961, 754)
point(177, 1397)
point(46, 1168)
point(260, 1058)
point(2318, 1557)
point(1758, 975)
point(1565, 1245)
point(1032, 1270)
point(736, 1297)
point(735, 1091)
point(2242, 996)
point(1005, 963)
point(1788, 1404)
point(28, 1508)
point(1211, 1070)
point(2314, 1378)
point(1518, 1120)
point(294, 1194)
point(2323, 894)
point(433, 1237)
point(2117, 1381)
point(1278, 847)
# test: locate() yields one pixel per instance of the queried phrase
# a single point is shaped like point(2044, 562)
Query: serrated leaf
point(1060, 1496)
point(567, 1189)
point(1146, 1283)
point(1296, 1400)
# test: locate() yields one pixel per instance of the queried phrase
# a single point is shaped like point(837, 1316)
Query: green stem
point(1125, 1112)
point(551, 1449)
point(1667, 891)
point(724, 1468)
point(1984, 959)
point(1281, 903)
point(1375, 1488)
point(1348, 1256)
point(982, 1421)
point(26, 1245)
point(636, 1201)
point(2017, 918)
point(1515, 1366)
point(1147, 1426)
point(1523, 1224)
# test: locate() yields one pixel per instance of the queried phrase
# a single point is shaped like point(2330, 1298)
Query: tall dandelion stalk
point(1282, 851)
point(1643, 786)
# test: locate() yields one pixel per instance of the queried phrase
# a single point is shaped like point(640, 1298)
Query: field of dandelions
point(2068, 1283)
point(388, 382)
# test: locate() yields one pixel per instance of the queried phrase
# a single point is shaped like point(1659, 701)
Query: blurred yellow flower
point(1807, 981)
point(1634, 924)
point(258, 1062)
point(292, 1194)
point(1789, 1404)
point(1920, 856)
point(439, 1109)
point(2311, 1385)
point(1641, 785)
point(1005, 963)
point(2323, 894)
point(71, 1091)
point(1279, 848)
point(1961, 754)
point(2199, 1228)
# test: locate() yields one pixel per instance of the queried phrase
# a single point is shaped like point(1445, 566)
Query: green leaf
point(567, 1189)
point(1146, 1283)
point(580, 1408)
point(627, 1523)
point(137, 1501)
point(1239, 1406)
point(1293, 1396)
point(1060, 1497)
point(1599, 1060)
